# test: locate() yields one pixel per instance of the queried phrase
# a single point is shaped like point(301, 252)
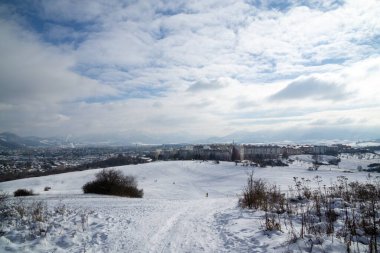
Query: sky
point(183, 70)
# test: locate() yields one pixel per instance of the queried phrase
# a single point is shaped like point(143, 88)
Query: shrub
point(259, 195)
point(347, 210)
point(3, 204)
point(113, 182)
point(23, 192)
point(3, 197)
point(335, 161)
point(38, 211)
point(254, 193)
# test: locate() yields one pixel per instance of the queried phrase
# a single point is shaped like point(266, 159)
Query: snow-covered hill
point(173, 216)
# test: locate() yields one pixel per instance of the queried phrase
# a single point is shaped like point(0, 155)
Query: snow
point(367, 144)
point(173, 216)
point(352, 162)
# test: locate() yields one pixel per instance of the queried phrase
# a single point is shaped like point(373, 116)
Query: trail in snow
point(138, 225)
point(191, 229)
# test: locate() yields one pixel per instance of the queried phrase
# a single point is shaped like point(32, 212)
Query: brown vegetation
point(345, 210)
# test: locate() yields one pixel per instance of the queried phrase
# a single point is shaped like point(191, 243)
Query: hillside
point(173, 216)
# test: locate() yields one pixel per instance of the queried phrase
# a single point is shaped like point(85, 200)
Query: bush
point(3, 197)
point(254, 193)
point(345, 210)
point(3, 204)
point(113, 182)
point(335, 161)
point(259, 195)
point(23, 192)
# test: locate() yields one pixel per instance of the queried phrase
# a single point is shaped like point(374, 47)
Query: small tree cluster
point(113, 182)
point(23, 192)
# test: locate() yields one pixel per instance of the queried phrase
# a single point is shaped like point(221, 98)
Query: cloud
point(304, 39)
point(35, 72)
point(74, 11)
point(286, 5)
point(312, 88)
point(211, 85)
point(118, 66)
point(199, 104)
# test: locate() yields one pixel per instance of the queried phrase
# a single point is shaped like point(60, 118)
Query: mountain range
point(12, 141)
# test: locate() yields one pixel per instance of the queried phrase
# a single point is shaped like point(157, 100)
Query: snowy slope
point(173, 216)
point(187, 179)
point(168, 180)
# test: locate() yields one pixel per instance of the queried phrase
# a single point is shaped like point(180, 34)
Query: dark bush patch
point(23, 192)
point(331, 215)
point(113, 182)
point(335, 161)
point(373, 167)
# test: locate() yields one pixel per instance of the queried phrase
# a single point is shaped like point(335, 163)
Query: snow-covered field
point(173, 216)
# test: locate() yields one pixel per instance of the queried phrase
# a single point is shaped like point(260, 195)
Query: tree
point(316, 162)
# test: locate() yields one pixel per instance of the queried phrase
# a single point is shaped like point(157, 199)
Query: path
point(156, 225)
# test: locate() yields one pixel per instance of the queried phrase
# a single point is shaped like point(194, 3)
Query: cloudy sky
point(190, 69)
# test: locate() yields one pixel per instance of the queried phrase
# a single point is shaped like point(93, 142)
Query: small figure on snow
point(206, 194)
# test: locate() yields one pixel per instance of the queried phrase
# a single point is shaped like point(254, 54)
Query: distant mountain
point(321, 135)
point(132, 138)
point(315, 135)
point(13, 141)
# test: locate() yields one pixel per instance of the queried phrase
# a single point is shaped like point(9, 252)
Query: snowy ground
point(173, 216)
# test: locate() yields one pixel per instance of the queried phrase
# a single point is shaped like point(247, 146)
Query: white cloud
point(211, 86)
point(32, 71)
point(207, 67)
point(304, 36)
point(311, 87)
